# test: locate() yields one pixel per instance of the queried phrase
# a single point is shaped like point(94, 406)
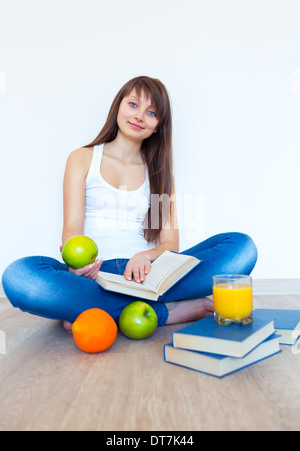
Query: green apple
point(138, 320)
point(79, 251)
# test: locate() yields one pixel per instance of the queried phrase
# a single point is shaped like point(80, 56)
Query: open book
point(165, 271)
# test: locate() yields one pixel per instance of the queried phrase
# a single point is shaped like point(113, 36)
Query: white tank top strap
point(94, 170)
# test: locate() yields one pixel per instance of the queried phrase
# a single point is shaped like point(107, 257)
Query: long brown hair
point(155, 150)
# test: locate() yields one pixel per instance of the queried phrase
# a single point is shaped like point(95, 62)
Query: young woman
point(112, 192)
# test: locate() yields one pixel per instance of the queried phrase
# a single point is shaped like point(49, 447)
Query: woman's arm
point(76, 171)
point(74, 193)
point(140, 264)
point(169, 235)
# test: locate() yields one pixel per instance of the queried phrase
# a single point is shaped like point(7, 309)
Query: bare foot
point(186, 311)
point(68, 326)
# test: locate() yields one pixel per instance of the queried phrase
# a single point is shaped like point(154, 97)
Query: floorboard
point(47, 383)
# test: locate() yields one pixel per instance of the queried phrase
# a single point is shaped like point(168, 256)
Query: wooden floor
point(48, 384)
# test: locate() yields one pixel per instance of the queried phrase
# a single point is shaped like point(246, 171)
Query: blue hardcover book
point(220, 365)
point(235, 340)
point(286, 323)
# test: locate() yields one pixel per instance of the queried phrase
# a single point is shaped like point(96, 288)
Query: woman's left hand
point(138, 267)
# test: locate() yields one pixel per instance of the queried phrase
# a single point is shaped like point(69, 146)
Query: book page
point(120, 280)
point(164, 265)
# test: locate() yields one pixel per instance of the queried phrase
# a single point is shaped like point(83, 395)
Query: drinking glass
point(233, 299)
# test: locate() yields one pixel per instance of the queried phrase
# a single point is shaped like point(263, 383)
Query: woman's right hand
point(89, 271)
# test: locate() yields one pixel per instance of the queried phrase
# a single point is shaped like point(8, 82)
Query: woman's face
point(137, 118)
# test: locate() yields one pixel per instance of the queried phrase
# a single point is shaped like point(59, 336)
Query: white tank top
point(114, 217)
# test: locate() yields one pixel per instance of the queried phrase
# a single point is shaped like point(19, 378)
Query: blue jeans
point(43, 286)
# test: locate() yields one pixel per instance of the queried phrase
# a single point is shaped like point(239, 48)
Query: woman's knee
point(248, 244)
point(246, 248)
point(19, 282)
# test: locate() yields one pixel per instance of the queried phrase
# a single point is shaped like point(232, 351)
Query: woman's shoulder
point(81, 158)
point(81, 155)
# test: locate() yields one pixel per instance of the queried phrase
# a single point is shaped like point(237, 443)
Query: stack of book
point(218, 350)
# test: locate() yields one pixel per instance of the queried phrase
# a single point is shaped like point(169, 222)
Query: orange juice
point(233, 301)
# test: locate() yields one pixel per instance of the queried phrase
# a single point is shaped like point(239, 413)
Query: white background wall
point(232, 68)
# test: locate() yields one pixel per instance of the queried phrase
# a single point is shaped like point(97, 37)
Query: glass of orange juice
point(233, 299)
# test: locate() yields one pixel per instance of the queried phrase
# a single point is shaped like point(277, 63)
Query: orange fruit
point(94, 331)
